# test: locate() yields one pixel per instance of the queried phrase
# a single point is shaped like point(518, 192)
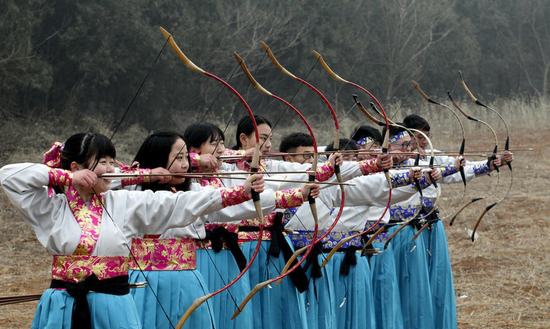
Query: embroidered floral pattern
point(481, 169)
point(398, 136)
point(88, 217)
point(268, 219)
point(369, 166)
point(382, 237)
point(400, 179)
point(194, 160)
point(402, 213)
point(138, 179)
point(324, 172)
point(234, 195)
point(253, 236)
point(164, 254)
point(288, 198)
point(448, 170)
point(52, 157)
point(424, 182)
point(76, 268)
point(211, 181)
point(233, 153)
point(233, 228)
point(303, 238)
point(288, 214)
point(59, 177)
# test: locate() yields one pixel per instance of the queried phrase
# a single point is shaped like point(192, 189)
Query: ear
point(244, 141)
point(194, 150)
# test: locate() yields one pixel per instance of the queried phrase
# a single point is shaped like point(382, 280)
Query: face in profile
point(265, 139)
point(178, 161)
point(304, 154)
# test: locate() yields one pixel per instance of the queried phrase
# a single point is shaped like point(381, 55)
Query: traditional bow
point(506, 148)
point(336, 144)
point(385, 145)
point(307, 249)
point(491, 158)
point(418, 210)
point(426, 97)
point(463, 143)
point(254, 168)
point(311, 200)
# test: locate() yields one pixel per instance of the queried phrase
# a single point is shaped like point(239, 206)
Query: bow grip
point(493, 157)
point(431, 166)
point(337, 170)
point(311, 199)
point(507, 148)
point(255, 195)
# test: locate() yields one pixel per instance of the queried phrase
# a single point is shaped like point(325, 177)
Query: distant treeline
point(90, 56)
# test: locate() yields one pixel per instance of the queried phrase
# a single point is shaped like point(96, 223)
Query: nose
point(267, 145)
point(185, 165)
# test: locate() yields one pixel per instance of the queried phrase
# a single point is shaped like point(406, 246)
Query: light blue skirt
point(107, 311)
point(413, 280)
point(354, 296)
point(441, 277)
point(226, 303)
point(280, 305)
point(387, 302)
point(320, 298)
point(176, 291)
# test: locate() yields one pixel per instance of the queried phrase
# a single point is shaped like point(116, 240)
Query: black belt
point(218, 236)
point(249, 228)
point(350, 259)
point(279, 244)
point(313, 261)
point(80, 318)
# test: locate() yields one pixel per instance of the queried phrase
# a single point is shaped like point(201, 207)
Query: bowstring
point(133, 99)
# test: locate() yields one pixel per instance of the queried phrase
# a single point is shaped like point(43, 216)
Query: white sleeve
point(148, 212)
point(25, 184)
point(349, 170)
point(244, 210)
point(443, 160)
point(370, 190)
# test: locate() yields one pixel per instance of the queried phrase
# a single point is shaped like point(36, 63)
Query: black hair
point(295, 140)
point(415, 121)
point(345, 144)
point(245, 126)
point(367, 131)
point(80, 148)
point(199, 133)
point(154, 153)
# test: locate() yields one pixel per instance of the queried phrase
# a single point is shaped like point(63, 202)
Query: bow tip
point(164, 32)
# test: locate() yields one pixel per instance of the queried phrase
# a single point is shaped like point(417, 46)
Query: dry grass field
point(502, 280)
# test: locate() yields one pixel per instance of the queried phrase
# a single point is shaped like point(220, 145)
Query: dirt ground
point(502, 280)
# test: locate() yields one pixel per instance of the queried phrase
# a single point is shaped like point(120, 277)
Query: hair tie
point(364, 141)
point(398, 136)
point(52, 157)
